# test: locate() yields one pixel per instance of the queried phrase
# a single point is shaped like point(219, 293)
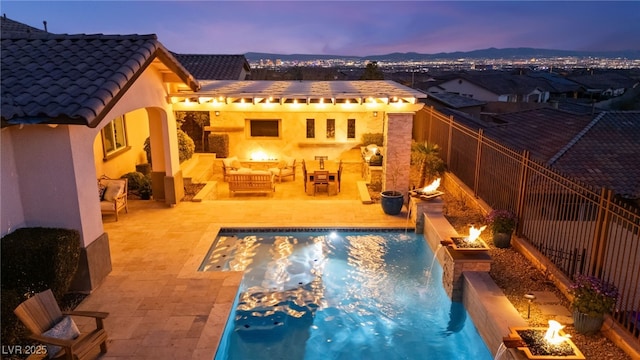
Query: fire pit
point(469, 243)
point(428, 192)
point(543, 343)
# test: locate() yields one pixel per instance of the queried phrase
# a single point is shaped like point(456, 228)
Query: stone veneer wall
point(396, 164)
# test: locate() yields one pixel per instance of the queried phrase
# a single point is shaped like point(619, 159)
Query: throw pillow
point(236, 164)
point(114, 188)
point(228, 161)
point(65, 329)
point(101, 189)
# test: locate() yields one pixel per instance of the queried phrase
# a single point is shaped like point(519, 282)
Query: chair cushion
point(236, 164)
point(243, 171)
point(114, 188)
point(289, 160)
point(227, 162)
point(65, 329)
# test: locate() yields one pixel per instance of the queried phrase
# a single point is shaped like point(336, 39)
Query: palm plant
point(428, 156)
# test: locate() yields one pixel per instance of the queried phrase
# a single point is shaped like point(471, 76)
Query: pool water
point(339, 295)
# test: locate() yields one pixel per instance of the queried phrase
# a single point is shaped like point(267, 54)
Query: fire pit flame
point(431, 188)
point(552, 335)
point(474, 233)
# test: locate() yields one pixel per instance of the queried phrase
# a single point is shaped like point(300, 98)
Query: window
point(114, 137)
point(264, 128)
point(351, 128)
point(331, 128)
point(311, 128)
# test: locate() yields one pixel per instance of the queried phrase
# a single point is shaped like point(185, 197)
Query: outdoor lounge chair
point(41, 315)
point(113, 195)
point(286, 167)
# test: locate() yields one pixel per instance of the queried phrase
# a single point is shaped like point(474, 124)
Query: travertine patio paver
point(160, 306)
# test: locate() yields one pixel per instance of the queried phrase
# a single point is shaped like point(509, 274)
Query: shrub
point(33, 260)
point(138, 184)
point(373, 138)
point(219, 144)
point(186, 147)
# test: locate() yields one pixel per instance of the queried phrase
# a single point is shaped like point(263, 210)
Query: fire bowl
point(425, 196)
point(531, 341)
point(460, 243)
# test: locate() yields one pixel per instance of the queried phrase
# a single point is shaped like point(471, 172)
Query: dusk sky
point(357, 28)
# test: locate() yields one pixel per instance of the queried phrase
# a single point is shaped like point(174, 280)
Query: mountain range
point(491, 53)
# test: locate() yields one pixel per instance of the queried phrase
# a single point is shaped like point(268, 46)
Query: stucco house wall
point(137, 128)
point(293, 141)
point(48, 173)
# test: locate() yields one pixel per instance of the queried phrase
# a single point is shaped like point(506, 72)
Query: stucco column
point(397, 147)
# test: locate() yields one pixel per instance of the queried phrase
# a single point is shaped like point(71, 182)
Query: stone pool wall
point(466, 279)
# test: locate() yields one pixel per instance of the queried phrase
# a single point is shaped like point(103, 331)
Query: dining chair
point(323, 157)
point(304, 173)
point(339, 174)
point(320, 178)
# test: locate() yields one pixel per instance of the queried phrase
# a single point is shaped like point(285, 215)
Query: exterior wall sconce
point(375, 114)
point(217, 113)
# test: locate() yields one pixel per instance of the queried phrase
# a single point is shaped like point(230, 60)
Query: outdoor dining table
point(314, 165)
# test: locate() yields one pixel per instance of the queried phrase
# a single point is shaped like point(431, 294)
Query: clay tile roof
point(543, 132)
point(214, 67)
point(8, 26)
point(606, 154)
point(73, 79)
point(456, 101)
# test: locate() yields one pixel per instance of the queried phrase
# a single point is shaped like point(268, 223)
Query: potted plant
point(392, 200)
point(502, 223)
point(592, 299)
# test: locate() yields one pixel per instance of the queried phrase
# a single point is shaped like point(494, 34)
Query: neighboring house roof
point(215, 67)
point(501, 83)
point(578, 106)
point(555, 83)
point(74, 79)
point(464, 118)
point(456, 101)
point(598, 150)
point(543, 132)
point(8, 26)
point(604, 81)
point(606, 154)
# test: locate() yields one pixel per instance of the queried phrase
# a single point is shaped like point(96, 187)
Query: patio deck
point(160, 306)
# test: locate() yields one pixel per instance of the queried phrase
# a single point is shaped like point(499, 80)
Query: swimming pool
point(346, 294)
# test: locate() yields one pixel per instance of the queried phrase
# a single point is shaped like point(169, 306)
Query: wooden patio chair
point(339, 174)
point(320, 178)
point(304, 173)
point(42, 317)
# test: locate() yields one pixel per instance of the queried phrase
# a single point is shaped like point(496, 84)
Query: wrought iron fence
point(579, 229)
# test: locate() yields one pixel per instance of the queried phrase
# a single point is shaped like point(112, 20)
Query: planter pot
point(587, 325)
point(502, 240)
point(392, 202)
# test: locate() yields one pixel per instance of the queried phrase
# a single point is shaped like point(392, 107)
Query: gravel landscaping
point(516, 276)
